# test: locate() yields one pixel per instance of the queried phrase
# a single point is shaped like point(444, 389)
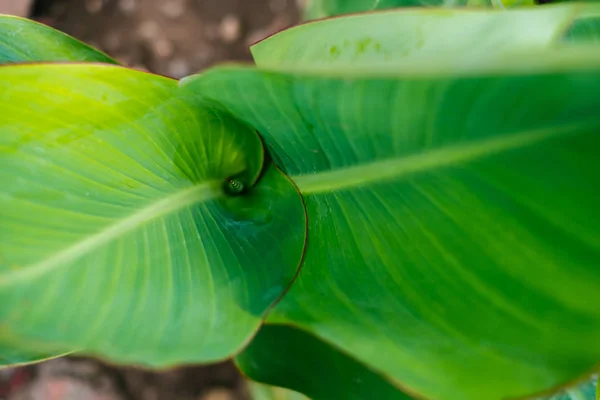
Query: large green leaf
point(346, 378)
point(456, 38)
point(23, 40)
point(125, 230)
point(584, 30)
point(328, 8)
point(318, 370)
point(453, 235)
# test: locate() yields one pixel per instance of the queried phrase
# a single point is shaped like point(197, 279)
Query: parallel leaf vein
point(196, 194)
point(385, 170)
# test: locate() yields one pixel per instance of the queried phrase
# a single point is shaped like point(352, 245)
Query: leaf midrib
point(192, 195)
point(326, 181)
point(407, 165)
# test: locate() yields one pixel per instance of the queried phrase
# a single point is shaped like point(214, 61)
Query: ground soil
point(170, 37)
point(174, 38)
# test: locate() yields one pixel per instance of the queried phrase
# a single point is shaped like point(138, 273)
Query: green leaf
point(507, 3)
point(131, 225)
point(575, 1)
point(452, 217)
point(328, 8)
point(11, 358)
point(318, 370)
point(584, 30)
point(265, 392)
point(453, 37)
point(23, 40)
point(583, 391)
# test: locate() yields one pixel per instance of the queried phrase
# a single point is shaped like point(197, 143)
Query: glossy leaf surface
point(451, 219)
point(328, 8)
point(316, 368)
point(23, 40)
point(453, 37)
point(131, 226)
point(584, 30)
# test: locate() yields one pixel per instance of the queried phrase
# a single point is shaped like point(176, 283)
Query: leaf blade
point(453, 35)
point(329, 8)
point(265, 360)
point(115, 212)
point(23, 40)
point(499, 228)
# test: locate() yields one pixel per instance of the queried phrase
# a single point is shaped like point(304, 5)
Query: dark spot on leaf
point(334, 51)
point(363, 45)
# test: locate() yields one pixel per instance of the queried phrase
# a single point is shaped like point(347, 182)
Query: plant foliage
point(432, 199)
point(22, 40)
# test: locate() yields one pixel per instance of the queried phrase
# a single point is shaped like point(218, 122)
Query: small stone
point(127, 6)
point(94, 6)
point(179, 68)
point(64, 379)
point(230, 29)
point(149, 30)
point(163, 48)
point(173, 8)
point(218, 394)
point(21, 8)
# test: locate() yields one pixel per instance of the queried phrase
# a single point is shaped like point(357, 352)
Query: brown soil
point(174, 38)
point(170, 37)
point(87, 379)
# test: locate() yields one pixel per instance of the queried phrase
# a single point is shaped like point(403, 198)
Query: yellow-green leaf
point(132, 224)
point(23, 40)
point(454, 37)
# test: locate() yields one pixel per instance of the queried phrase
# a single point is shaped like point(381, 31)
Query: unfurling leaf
point(118, 235)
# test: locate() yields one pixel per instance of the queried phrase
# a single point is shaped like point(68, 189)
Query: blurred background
point(174, 38)
point(169, 37)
